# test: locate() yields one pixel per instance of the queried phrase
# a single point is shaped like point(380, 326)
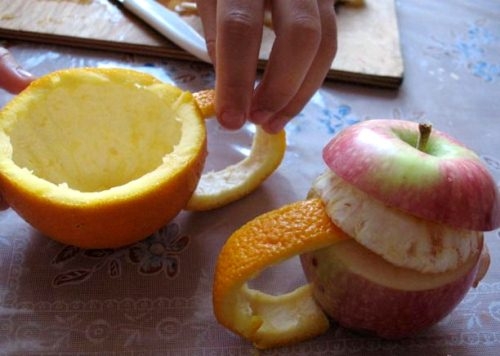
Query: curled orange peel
point(205, 99)
point(218, 188)
point(268, 320)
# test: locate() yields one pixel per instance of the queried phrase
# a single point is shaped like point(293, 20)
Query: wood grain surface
point(369, 49)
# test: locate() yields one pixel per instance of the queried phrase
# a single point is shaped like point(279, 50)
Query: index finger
point(239, 34)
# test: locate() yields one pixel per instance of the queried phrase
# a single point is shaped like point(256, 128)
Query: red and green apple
point(424, 173)
point(444, 181)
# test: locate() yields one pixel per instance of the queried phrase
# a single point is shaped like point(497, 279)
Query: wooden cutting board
point(369, 49)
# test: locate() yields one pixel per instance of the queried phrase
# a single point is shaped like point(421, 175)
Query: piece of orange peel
point(218, 188)
point(266, 320)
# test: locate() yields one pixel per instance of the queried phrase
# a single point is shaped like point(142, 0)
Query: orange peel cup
point(103, 157)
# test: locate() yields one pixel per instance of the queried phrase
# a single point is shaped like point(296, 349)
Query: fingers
point(298, 34)
point(207, 10)
point(239, 35)
point(307, 65)
point(13, 77)
point(301, 56)
point(3, 204)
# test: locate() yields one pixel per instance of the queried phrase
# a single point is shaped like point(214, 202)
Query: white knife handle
point(170, 25)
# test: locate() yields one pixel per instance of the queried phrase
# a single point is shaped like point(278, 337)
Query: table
point(146, 300)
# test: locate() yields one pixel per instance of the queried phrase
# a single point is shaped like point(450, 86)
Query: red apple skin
point(353, 291)
point(380, 158)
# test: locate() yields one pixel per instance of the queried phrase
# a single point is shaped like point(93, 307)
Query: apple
point(365, 293)
point(444, 181)
point(415, 175)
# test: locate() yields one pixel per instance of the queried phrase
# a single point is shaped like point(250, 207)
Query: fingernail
point(231, 120)
point(23, 72)
point(260, 116)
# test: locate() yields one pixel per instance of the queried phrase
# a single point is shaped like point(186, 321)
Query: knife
point(170, 25)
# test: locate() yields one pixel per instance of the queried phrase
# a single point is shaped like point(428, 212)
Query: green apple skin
point(444, 182)
point(362, 292)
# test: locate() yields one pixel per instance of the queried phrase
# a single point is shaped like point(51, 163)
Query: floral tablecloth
point(154, 297)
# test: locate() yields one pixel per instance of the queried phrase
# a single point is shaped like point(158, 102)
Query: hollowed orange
point(104, 157)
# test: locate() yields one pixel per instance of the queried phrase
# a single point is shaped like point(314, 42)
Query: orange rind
point(103, 157)
point(205, 99)
point(100, 157)
point(266, 320)
point(219, 188)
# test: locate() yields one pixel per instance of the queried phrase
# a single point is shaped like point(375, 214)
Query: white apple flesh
point(363, 292)
point(401, 239)
point(446, 182)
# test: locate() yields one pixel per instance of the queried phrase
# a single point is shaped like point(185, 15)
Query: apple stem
point(424, 130)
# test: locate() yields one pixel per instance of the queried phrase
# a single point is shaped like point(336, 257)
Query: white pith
point(401, 239)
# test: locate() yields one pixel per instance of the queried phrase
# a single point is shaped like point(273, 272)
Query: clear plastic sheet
point(161, 303)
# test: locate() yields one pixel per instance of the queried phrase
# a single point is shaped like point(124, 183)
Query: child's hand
point(305, 45)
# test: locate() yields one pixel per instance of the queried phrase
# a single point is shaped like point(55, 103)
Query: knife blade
point(169, 24)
